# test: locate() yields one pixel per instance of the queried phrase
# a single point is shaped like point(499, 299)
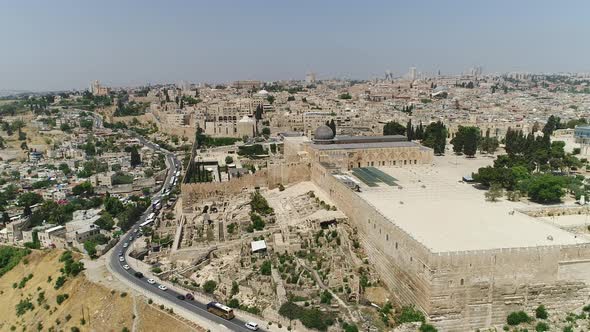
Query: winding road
point(193, 306)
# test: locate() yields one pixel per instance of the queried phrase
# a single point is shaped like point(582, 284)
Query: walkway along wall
point(463, 291)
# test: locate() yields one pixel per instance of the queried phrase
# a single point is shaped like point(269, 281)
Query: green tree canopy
point(435, 137)
point(394, 128)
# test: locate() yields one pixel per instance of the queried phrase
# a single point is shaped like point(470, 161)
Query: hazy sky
point(65, 44)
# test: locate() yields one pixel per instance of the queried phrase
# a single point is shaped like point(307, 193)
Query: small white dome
point(262, 92)
point(246, 119)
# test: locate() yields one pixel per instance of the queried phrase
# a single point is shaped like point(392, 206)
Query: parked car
point(189, 296)
point(180, 297)
point(162, 287)
point(138, 274)
point(121, 259)
point(251, 326)
point(151, 281)
point(126, 267)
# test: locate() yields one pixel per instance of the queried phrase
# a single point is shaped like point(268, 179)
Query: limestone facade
point(463, 291)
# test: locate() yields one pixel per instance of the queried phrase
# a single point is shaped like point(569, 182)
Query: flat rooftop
point(431, 204)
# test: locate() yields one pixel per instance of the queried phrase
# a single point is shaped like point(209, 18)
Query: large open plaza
point(433, 205)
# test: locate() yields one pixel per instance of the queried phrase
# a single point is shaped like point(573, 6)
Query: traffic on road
point(186, 301)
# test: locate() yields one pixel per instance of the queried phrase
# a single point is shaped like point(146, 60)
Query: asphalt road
point(170, 295)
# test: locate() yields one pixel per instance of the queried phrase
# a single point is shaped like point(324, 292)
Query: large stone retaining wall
point(271, 177)
point(463, 291)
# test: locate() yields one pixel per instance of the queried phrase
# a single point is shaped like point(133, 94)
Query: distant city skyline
point(60, 45)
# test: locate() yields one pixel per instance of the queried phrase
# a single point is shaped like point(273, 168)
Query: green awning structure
point(371, 176)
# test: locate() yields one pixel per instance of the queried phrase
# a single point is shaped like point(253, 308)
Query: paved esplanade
point(446, 216)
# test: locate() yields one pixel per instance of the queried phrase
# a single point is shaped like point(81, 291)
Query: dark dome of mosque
point(323, 133)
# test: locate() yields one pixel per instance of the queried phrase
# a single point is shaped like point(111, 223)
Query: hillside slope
point(87, 306)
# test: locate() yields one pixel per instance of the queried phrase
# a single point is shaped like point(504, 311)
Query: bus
point(220, 310)
point(145, 223)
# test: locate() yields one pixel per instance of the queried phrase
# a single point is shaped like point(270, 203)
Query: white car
point(162, 287)
point(126, 267)
point(121, 259)
point(125, 245)
point(151, 281)
point(251, 326)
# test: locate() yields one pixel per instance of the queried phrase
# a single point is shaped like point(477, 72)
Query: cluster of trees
point(204, 141)
point(130, 109)
point(554, 123)
point(197, 173)
point(435, 137)
point(394, 128)
point(88, 101)
point(92, 167)
point(332, 125)
point(414, 132)
point(126, 214)
point(11, 128)
point(258, 113)
point(256, 223)
point(189, 101)
point(345, 95)
point(468, 85)
point(91, 243)
point(251, 150)
point(310, 318)
point(495, 87)
point(55, 213)
point(534, 166)
point(10, 257)
point(259, 204)
point(468, 139)
point(84, 189)
point(408, 109)
point(135, 156)
point(270, 99)
point(87, 123)
point(121, 178)
point(410, 131)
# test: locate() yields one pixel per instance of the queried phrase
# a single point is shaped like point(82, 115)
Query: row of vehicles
point(226, 312)
point(215, 308)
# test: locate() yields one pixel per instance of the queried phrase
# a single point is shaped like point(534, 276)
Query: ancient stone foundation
point(463, 291)
point(271, 177)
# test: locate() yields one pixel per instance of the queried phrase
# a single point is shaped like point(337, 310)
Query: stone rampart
point(271, 177)
point(467, 290)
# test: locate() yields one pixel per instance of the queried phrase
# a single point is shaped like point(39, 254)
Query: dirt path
point(136, 315)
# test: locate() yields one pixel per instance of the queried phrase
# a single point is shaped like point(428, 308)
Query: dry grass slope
point(89, 307)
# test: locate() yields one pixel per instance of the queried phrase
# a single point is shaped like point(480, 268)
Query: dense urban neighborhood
point(307, 166)
point(242, 194)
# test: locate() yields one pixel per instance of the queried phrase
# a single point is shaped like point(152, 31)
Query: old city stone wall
point(477, 289)
point(401, 261)
point(463, 291)
point(271, 177)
